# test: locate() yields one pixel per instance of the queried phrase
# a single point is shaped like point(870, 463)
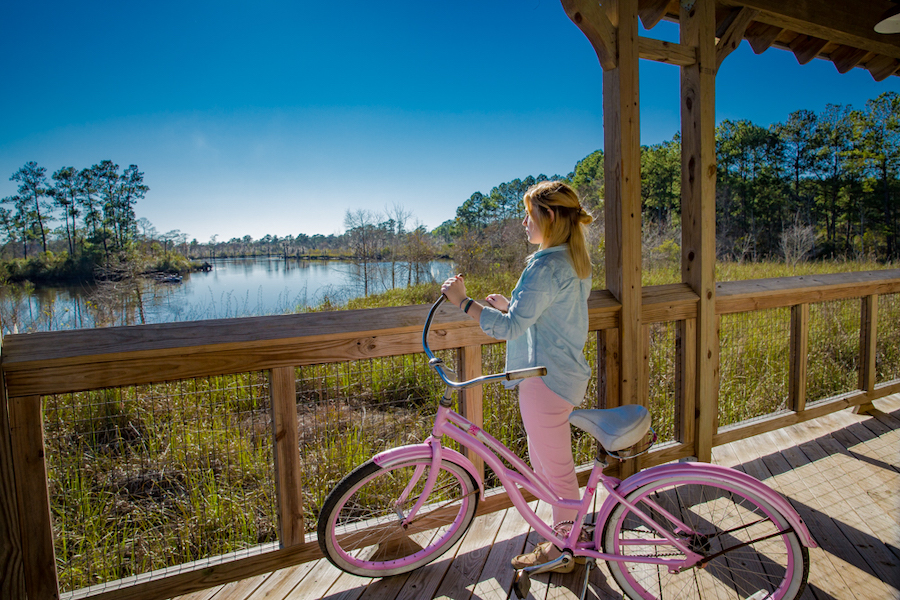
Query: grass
point(146, 477)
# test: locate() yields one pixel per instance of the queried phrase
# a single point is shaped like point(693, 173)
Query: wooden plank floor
point(841, 473)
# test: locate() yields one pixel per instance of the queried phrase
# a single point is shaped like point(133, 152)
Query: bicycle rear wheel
point(752, 550)
point(360, 530)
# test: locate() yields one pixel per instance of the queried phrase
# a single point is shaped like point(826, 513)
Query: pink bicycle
point(684, 530)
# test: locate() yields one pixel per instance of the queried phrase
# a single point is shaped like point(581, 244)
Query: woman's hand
point(455, 290)
point(498, 301)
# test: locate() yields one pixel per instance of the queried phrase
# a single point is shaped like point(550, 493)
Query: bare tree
point(797, 241)
point(362, 232)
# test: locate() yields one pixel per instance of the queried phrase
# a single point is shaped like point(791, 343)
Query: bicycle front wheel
point(360, 527)
point(751, 550)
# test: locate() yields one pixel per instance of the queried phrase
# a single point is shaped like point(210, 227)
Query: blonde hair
point(567, 224)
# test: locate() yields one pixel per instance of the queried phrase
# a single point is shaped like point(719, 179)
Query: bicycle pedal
point(521, 584)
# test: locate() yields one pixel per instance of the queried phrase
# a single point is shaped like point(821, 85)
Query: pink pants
point(546, 419)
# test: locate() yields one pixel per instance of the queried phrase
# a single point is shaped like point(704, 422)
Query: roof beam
point(666, 52)
point(847, 23)
point(595, 25)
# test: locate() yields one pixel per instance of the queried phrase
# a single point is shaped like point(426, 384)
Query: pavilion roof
point(841, 31)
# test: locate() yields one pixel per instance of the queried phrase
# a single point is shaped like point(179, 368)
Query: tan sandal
point(544, 553)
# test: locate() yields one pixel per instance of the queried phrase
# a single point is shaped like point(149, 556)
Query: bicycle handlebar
point(438, 365)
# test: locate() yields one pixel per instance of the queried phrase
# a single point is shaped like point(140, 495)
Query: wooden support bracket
point(731, 31)
point(595, 25)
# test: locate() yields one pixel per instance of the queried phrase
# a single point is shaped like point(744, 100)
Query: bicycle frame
point(522, 477)
point(456, 427)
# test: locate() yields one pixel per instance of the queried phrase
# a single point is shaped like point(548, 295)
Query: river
point(236, 287)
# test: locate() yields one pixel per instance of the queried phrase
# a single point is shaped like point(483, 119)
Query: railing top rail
point(759, 294)
point(68, 361)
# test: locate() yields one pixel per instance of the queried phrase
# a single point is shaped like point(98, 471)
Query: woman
point(545, 323)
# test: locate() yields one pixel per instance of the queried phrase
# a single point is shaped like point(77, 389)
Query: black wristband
point(468, 306)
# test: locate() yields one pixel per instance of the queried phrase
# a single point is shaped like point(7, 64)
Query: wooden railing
point(41, 364)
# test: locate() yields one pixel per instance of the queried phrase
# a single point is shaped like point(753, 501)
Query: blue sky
point(280, 116)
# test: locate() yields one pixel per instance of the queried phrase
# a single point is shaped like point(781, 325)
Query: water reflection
point(233, 288)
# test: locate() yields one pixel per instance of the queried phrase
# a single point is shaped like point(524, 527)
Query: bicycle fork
point(436, 457)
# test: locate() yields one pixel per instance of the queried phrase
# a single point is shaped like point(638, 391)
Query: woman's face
point(532, 230)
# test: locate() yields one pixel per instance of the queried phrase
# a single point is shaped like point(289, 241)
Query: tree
point(835, 134)
point(131, 189)
point(661, 180)
point(361, 231)
point(12, 222)
point(88, 190)
point(879, 149)
point(32, 181)
point(397, 215)
point(65, 195)
point(798, 137)
point(588, 181)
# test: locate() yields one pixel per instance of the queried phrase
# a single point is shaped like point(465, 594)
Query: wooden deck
point(841, 472)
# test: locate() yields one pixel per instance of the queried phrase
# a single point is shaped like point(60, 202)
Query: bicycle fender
point(393, 456)
point(688, 470)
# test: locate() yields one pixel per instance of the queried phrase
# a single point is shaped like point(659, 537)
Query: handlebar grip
point(525, 373)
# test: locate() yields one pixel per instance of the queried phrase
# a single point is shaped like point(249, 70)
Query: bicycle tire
point(724, 513)
point(359, 529)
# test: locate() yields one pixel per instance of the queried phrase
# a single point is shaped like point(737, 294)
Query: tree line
point(820, 184)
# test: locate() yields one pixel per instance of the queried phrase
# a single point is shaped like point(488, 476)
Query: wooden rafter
point(762, 36)
point(651, 12)
point(845, 58)
point(882, 67)
point(806, 47)
point(838, 21)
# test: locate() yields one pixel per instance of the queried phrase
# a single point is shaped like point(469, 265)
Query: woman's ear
point(551, 213)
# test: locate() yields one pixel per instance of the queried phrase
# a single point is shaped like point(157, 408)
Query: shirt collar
point(550, 250)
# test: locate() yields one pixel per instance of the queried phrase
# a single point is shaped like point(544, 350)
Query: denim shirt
point(547, 323)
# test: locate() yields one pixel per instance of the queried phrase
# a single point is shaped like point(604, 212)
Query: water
point(233, 288)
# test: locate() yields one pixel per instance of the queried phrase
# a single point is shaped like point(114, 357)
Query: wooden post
point(608, 368)
point(698, 205)
point(799, 357)
point(622, 153)
point(471, 400)
point(12, 577)
point(685, 383)
point(26, 426)
point(868, 334)
point(288, 485)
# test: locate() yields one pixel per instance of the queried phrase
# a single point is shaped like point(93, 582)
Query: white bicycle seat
point(615, 428)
